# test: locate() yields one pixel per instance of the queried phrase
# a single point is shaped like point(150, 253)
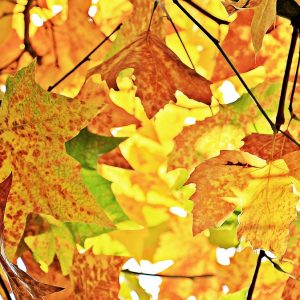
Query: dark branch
point(294, 87)
point(206, 13)
point(280, 113)
point(177, 33)
point(217, 44)
point(169, 276)
point(27, 43)
point(254, 278)
point(86, 58)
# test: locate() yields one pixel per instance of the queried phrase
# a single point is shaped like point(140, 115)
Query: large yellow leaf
point(153, 60)
point(34, 126)
point(268, 208)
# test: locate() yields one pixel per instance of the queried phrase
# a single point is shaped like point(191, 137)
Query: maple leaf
point(264, 17)
point(35, 125)
point(229, 126)
point(151, 58)
point(96, 276)
point(23, 286)
point(214, 181)
point(267, 146)
point(58, 240)
point(269, 195)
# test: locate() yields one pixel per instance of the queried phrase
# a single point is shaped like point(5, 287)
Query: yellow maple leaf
point(34, 127)
point(268, 208)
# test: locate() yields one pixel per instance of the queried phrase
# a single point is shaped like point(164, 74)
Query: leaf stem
point(280, 113)
point(217, 44)
point(254, 278)
point(86, 58)
point(169, 276)
point(206, 13)
point(176, 31)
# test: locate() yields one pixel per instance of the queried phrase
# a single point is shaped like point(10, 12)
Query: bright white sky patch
point(223, 255)
point(229, 92)
point(92, 11)
point(178, 211)
point(37, 20)
point(225, 289)
point(21, 264)
point(56, 9)
point(134, 295)
point(191, 298)
point(149, 283)
point(190, 121)
point(2, 88)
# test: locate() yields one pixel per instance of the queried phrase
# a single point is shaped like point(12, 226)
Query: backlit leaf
point(35, 125)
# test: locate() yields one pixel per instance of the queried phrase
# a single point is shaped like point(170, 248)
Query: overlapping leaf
point(96, 276)
point(151, 58)
point(35, 125)
point(23, 286)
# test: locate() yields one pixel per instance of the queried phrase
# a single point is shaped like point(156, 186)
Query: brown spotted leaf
point(96, 277)
point(158, 71)
point(267, 146)
point(214, 180)
point(23, 286)
point(34, 127)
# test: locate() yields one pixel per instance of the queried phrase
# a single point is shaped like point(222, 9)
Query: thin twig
point(294, 87)
point(169, 276)
point(280, 113)
point(86, 58)
point(217, 44)
point(4, 288)
point(27, 42)
point(153, 10)
point(206, 13)
point(177, 33)
point(254, 278)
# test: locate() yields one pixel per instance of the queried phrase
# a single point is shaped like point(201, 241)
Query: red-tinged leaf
point(152, 59)
point(264, 16)
point(5, 187)
point(96, 277)
point(23, 286)
point(111, 116)
point(214, 180)
point(114, 158)
point(35, 126)
point(267, 146)
point(138, 22)
point(292, 287)
point(238, 37)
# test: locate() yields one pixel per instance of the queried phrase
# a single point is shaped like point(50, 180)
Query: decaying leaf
point(264, 17)
point(34, 126)
point(267, 146)
point(151, 58)
point(96, 277)
point(214, 180)
point(23, 286)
